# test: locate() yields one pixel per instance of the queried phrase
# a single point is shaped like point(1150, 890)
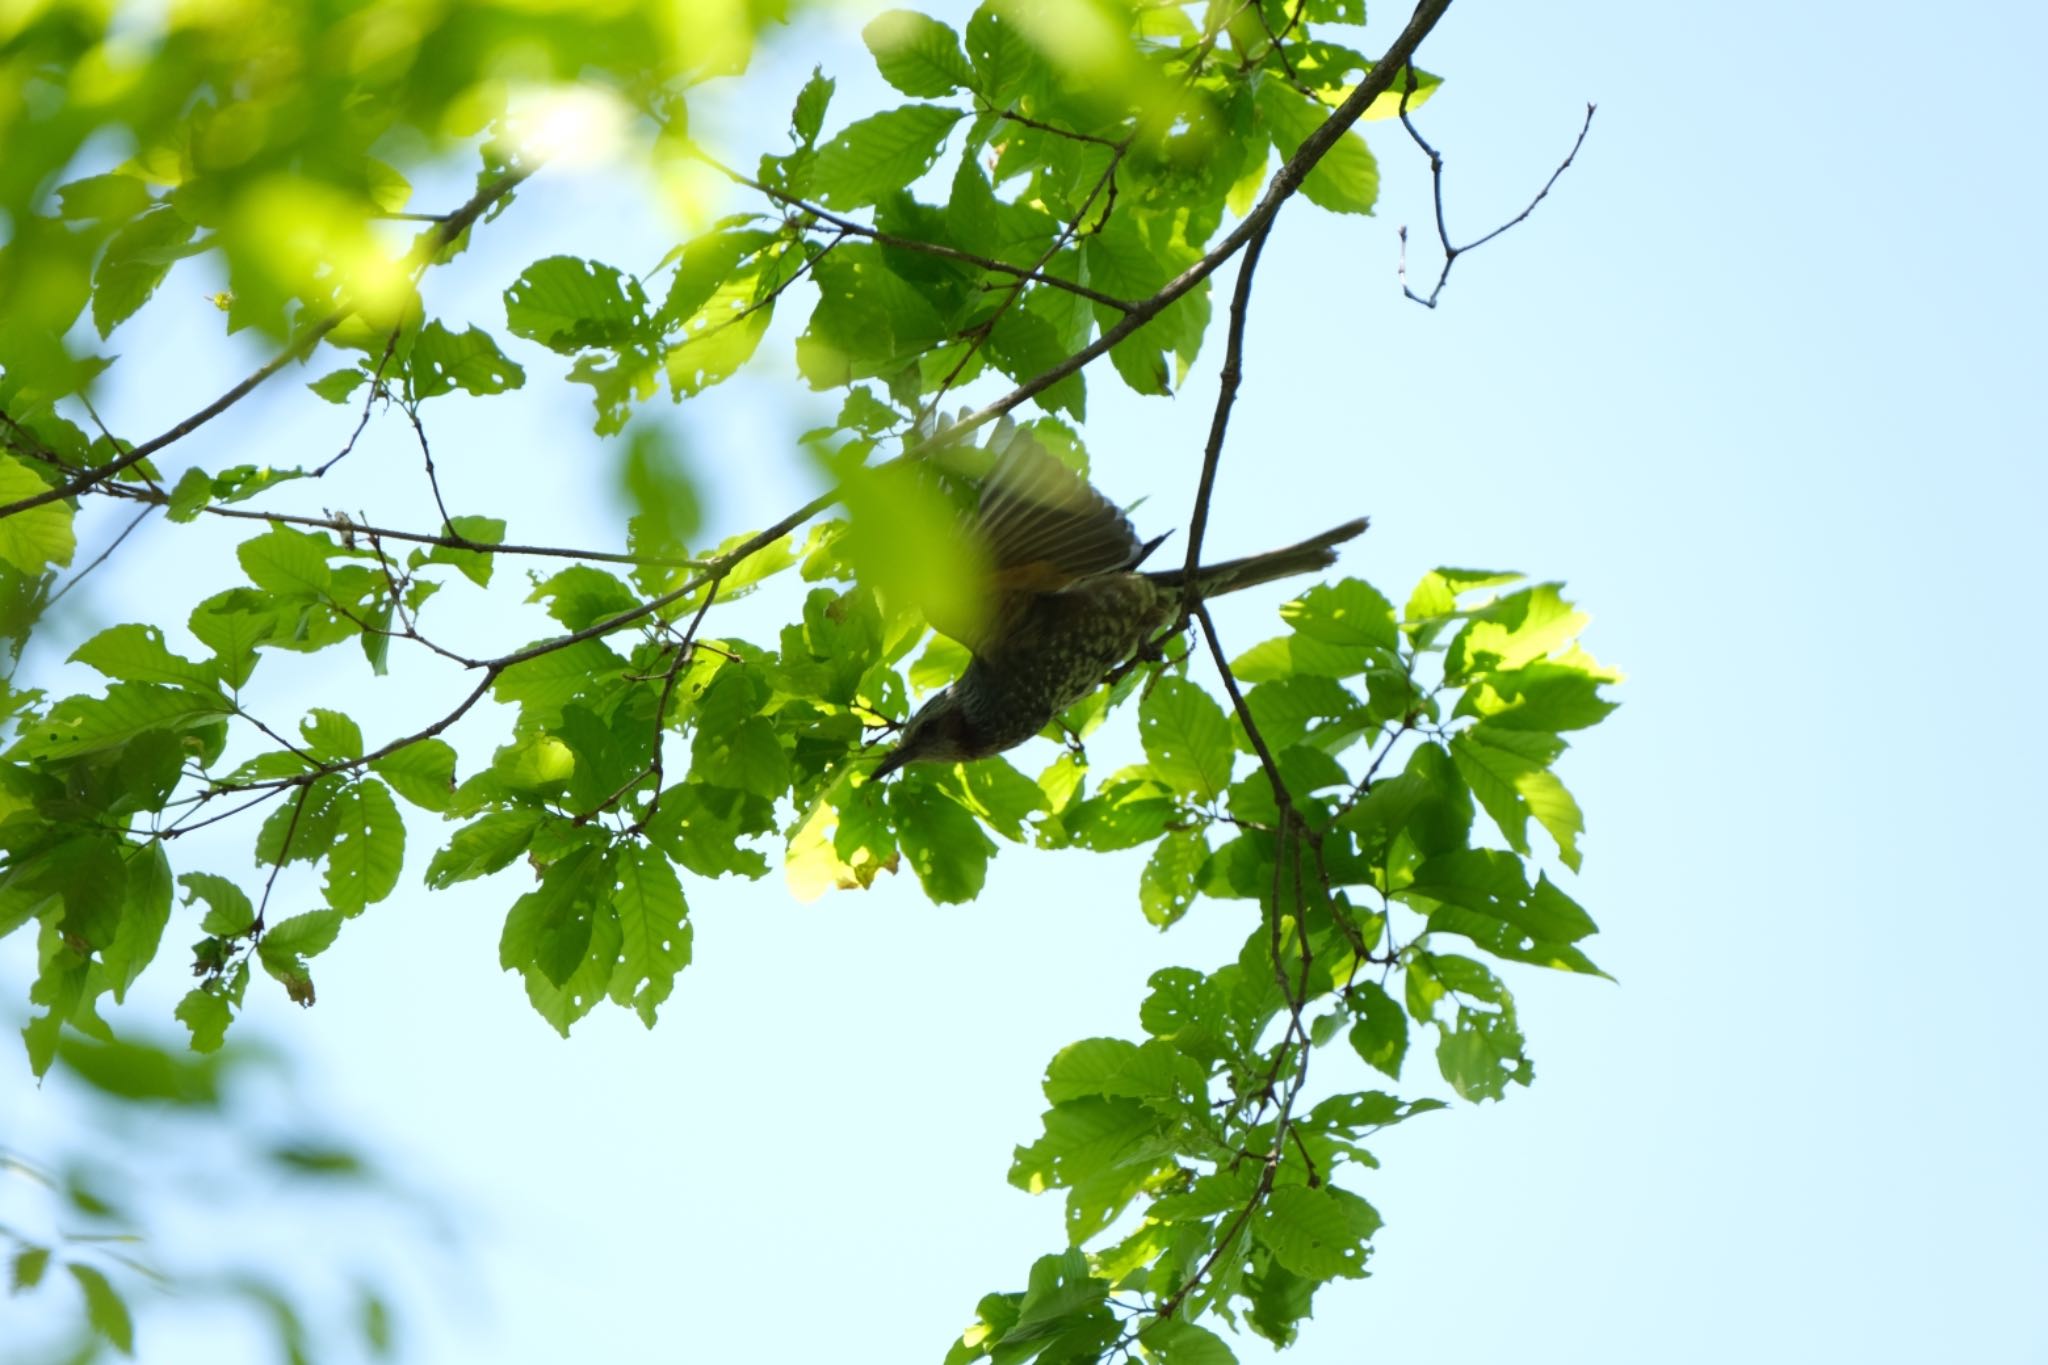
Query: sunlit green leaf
point(40, 537)
point(1187, 738)
point(880, 153)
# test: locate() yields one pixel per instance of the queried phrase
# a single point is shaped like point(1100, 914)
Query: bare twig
point(1436, 175)
point(376, 391)
point(1012, 116)
point(412, 414)
point(98, 559)
point(450, 541)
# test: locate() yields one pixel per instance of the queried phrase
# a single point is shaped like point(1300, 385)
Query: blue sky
point(1761, 381)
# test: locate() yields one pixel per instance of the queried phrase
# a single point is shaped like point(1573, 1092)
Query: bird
point(1064, 604)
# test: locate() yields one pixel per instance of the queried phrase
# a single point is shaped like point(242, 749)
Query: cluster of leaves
point(78, 1241)
point(1181, 1154)
point(1088, 170)
point(1090, 156)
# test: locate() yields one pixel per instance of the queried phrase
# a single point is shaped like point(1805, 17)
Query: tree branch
point(1286, 181)
point(429, 244)
point(350, 526)
point(1436, 175)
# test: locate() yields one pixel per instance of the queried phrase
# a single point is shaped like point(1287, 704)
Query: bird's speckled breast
point(1057, 652)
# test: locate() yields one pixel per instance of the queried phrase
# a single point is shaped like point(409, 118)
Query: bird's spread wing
point(1044, 527)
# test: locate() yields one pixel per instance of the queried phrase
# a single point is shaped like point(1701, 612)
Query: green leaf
point(1493, 884)
point(1381, 1033)
point(443, 361)
point(207, 1014)
point(224, 625)
point(330, 735)
point(111, 198)
point(1004, 798)
point(1348, 613)
point(475, 565)
point(568, 304)
point(654, 935)
point(1518, 629)
point(104, 1308)
point(811, 101)
point(943, 843)
point(1436, 595)
point(545, 683)
point(1289, 656)
point(1508, 770)
point(78, 726)
point(1006, 64)
point(335, 386)
point(1347, 179)
point(137, 653)
point(229, 913)
point(137, 259)
point(144, 913)
point(483, 846)
point(27, 1268)
point(881, 153)
point(423, 772)
point(1187, 738)
point(1482, 1053)
point(286, 945)
point(192, 492)
point(916, 54)
point(1175, 1341)
point(1113, 1068)
point(1064, 1308)
point(563, 941)
point(724, 334)
point(580, 596)
point(1548, 696)
point(1307, 710)
point(369, 847)
point(1319, 1233)
point(747, 757)
point(1122, 815)
point(1025, 345)
point(39, 538)
point(301, 829)
point(1167, 887)
point(288, 562)
point(869, 320)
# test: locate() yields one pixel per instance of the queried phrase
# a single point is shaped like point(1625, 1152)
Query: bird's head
point(938, 733)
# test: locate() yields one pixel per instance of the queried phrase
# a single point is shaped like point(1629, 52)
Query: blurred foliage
point(1057, 170)
point(160, 1137)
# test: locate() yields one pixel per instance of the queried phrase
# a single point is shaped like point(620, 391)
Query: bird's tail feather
point(1311, 555)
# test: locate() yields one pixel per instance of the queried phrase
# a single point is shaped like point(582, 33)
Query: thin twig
point(850, 227)
point(375, 391)
point(412, 414)
point(450, 541)
point(1012, 116)
point(98, 560)
point(1436, 176)
point(1228, 380)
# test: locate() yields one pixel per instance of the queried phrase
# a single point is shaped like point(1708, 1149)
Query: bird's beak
point(889, 764)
